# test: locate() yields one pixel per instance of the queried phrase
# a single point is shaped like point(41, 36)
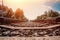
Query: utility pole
point(2, 7)
point(2, 4)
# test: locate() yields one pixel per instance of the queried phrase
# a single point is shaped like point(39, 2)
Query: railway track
point(12, 27)
point(11, 31)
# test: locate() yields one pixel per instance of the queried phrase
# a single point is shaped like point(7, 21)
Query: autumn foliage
point(9, 13)
point(18, 13)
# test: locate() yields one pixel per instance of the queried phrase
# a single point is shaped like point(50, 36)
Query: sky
point(33, 8)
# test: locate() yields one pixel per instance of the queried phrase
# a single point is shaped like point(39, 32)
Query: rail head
point(12, 27)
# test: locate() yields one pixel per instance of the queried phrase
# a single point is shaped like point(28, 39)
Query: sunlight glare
point(17, 1)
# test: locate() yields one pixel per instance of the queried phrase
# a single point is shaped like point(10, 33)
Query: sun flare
point(17, 1)
point(31, 8)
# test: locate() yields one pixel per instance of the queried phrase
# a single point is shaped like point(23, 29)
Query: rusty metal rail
point(12, 27)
